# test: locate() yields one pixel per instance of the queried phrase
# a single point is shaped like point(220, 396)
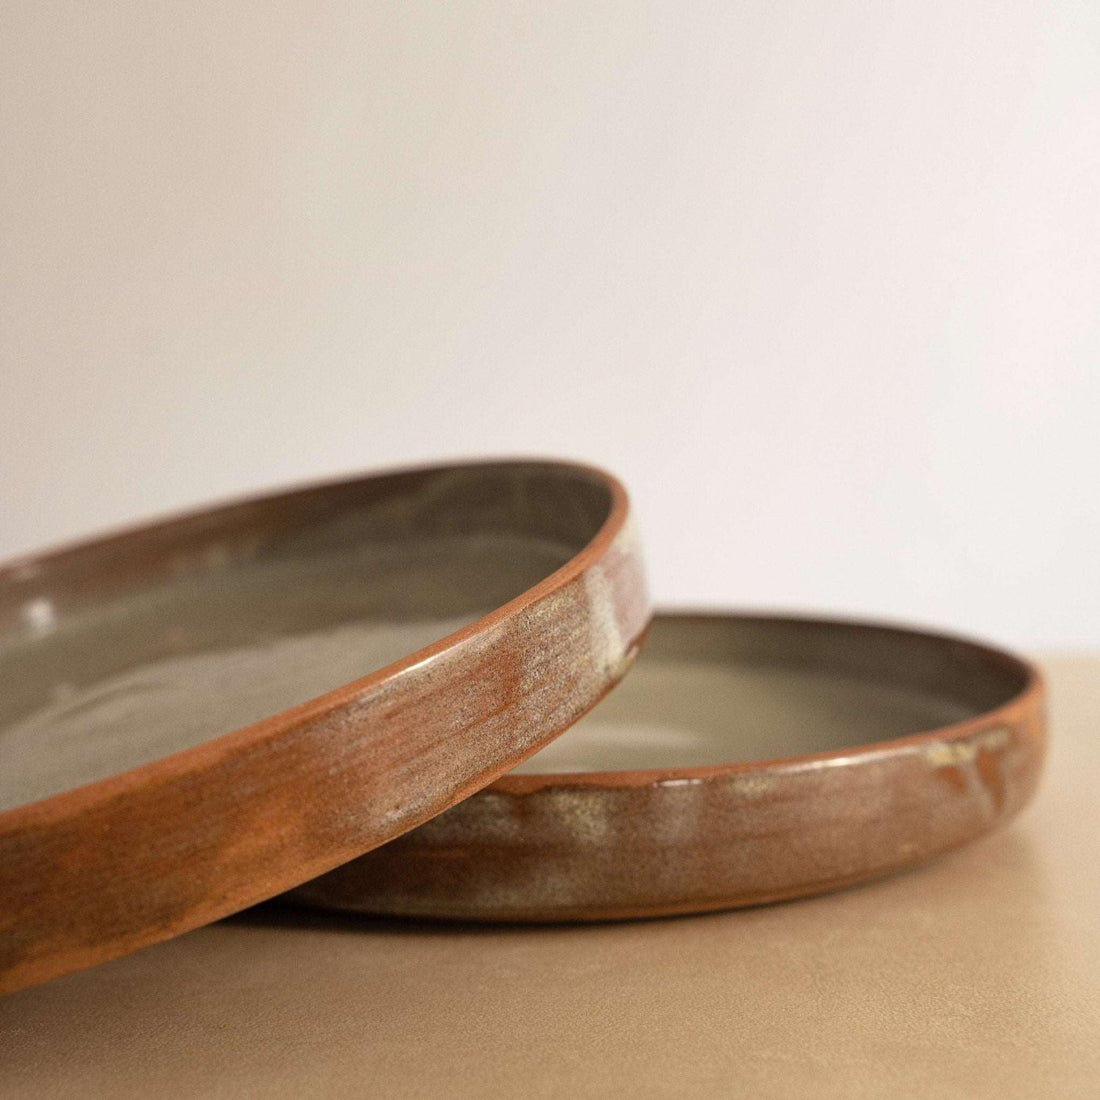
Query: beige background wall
point(820, 280)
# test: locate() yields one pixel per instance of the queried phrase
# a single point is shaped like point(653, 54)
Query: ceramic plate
point(202, 713)
point(744, 760)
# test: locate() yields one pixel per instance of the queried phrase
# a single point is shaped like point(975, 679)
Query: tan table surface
point(976, 976)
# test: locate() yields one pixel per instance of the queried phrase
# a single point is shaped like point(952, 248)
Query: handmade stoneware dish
point(199, 714)
point(744, 760)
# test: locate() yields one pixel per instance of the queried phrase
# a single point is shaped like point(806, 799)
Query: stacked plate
point(341, 692)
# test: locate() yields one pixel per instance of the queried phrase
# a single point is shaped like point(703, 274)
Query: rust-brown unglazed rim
point(580, 846)
point(106, 868)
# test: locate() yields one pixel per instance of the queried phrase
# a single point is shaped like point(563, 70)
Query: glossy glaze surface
point(325, 669)
point(744, 760)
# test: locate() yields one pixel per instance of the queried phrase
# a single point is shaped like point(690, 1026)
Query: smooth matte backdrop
point(818, 280)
